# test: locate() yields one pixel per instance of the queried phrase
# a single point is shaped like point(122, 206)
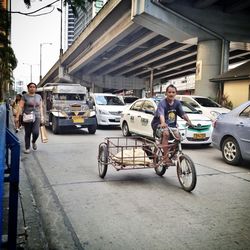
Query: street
point(135, 209)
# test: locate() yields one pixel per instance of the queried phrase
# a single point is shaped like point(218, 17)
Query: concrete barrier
point(9, 173)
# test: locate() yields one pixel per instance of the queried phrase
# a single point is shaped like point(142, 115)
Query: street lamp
point(41, 45)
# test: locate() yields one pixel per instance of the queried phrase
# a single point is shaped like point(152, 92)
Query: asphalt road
point(135, 209)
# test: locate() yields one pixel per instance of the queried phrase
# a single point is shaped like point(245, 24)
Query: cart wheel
point(186, 173)
point(103, 160)
point(162, 168)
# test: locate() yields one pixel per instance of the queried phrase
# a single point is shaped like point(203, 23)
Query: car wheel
point(92, 129)
point(231, 151)
point(55, 125)
point(125, 129)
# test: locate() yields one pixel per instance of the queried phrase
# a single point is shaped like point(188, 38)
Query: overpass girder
point(116, 82)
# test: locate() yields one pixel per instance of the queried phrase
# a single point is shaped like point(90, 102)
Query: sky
point(27, 33)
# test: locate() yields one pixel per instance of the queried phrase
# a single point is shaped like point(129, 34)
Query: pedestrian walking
point(15, 110)
point(32, 111)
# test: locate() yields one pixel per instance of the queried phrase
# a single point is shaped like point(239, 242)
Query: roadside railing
point(9, 173)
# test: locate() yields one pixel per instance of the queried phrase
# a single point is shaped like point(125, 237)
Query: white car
point(108, 108)
point(137, 119)
point(128, 99)
point(208, 107)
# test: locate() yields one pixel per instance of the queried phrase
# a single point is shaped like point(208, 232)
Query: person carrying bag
point(32, 107)
point(15, 110)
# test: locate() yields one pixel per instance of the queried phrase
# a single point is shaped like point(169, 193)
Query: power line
point(42, 14)
point(30, 13)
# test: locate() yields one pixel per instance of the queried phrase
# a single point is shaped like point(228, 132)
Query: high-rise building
point(83, 19)
point(70, 26)
point(19, 86)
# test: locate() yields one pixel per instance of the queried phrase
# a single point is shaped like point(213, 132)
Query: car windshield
point(108, 100)
point(185, 106)
point(206, 102)
point(157, 100)
point(130, 99)
point(69, 97)
point(188, 108)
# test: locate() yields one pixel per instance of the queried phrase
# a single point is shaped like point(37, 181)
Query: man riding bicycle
point(166, 116)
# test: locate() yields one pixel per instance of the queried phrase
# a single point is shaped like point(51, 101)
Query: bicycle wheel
point(103, 160)
point(161, 169)
point(186, 173)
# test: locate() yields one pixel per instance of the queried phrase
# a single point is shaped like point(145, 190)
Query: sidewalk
point(30, 234)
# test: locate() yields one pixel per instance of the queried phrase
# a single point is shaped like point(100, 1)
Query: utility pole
point(151, 85)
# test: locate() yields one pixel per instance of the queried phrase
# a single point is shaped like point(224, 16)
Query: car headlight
point(103, 112)
point(215, 114)
point(66, 109)
point(85, 107)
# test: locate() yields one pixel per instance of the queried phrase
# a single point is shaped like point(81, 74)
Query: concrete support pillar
point(208, 65)
point(137, 92)
point(92, 87)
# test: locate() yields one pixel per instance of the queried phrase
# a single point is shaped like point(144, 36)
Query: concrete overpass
point(131, 43)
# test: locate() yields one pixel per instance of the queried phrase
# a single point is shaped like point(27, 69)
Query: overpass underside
point(132, 43)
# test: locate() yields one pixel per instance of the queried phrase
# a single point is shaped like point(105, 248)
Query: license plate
point(199, 136)
point(117, 119)
point(77, 119)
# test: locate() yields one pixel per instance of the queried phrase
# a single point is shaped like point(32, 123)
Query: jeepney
point(65, 105)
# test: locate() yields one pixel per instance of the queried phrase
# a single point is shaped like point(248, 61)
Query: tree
point(73, 3)
point(8, 60)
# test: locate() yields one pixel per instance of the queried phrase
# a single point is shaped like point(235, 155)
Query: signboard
point(198, 70)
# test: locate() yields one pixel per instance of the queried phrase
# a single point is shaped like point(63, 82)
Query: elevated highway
point(132, 43)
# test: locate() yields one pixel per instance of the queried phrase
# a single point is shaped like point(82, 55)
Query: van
point(108, 108)
point(65, 105)
point(208, 107)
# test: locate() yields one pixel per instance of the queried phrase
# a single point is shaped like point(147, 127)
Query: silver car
point(231, 134)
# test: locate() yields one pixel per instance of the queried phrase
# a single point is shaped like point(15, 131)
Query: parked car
point(208, 107)
point(108, 108)
point(231, 134)
point(128, 99)
point(137, 119)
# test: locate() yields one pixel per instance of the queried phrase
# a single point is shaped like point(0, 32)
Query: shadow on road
point(109, 127)
point(71, 131)
point(197, 146)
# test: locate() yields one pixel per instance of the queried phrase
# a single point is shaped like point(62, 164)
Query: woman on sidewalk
point(15, 111)
point(32, 107)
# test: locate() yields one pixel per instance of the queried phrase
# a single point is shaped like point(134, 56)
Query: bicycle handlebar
point(172, 130)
